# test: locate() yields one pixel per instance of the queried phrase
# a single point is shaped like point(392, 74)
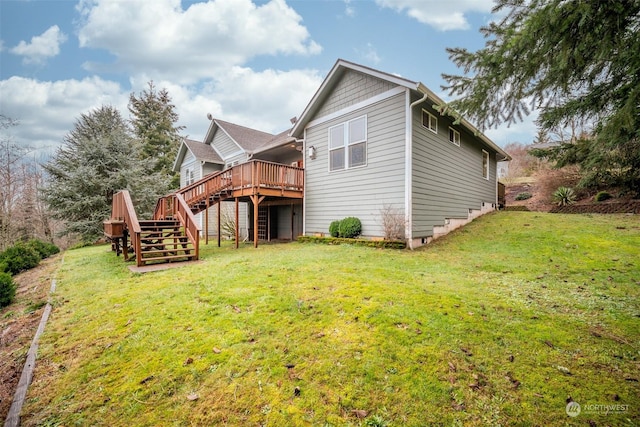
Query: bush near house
point(43, 248)
point(350, 227)
point(334, 228)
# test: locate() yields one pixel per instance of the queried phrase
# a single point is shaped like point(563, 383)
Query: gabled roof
point(202, 152)
point(341, 67)
point(247, 139)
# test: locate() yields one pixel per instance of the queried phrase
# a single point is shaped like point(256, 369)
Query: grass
point(496, 324)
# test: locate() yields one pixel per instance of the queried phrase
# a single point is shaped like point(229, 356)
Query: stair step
point(170, 258)
point(166, 239)
point(164, 247)
point(165, 251)
point(159, 222)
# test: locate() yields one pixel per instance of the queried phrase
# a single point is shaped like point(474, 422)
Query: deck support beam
point(219, 203)
point(237, 223)
point(206, 222)
point(256, 199)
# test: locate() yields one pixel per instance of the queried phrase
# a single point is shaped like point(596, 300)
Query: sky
point(254, 63)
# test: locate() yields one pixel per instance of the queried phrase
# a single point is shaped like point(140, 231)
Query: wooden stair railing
point(122, 210)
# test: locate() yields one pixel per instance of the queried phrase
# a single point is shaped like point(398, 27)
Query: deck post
point(292, 231)
point(219, 203)
point(206, 222)
point(237, 224)
point(256, 199)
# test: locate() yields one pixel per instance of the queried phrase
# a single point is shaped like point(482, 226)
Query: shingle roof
point(203, 152)
point(248, 139)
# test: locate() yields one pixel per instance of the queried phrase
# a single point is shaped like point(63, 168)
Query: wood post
point(219, 203)
point(206, 222)
point(237, 224)
point(256, 199)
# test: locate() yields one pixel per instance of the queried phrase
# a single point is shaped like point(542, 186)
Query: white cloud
point(44, 46)
point(187, 45)
point(442, 15)
point(349, 10)
point(264, 100)
point(370, 54)
point(46, 111)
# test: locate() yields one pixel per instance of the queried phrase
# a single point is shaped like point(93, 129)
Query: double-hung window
point(454, 136)
point(348, 144)
point(189, 176)
point(429, 121)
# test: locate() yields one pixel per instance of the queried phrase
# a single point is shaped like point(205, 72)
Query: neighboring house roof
point(202, 152)
point(336, 73)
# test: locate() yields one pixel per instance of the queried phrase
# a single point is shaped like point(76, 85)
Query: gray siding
point(361, 192)
point(352, 88)
point(208, 168)
point(225, 145)
point(189, 162)
point(228, 210)
point(447, 179)
point(240, 158)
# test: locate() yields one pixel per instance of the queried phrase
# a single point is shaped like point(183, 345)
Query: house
point(372, 144)
point(227, 145)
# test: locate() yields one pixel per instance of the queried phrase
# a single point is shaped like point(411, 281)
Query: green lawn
point(496, 324)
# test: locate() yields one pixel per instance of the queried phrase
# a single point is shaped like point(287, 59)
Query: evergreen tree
point(154, 124)
point(98, 158)
point(571, 60)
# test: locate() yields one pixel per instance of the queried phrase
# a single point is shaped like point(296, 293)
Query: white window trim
point(431, 118)
point(455, 141)
point(488, 164)
point(347, 143)
point(189, 176)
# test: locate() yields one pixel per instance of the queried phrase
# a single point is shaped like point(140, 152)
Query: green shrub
point(524, 196)
point(564, 196)
point(43, 248)
point(7, 289)
point(602, 196)
point(350, 227)
point(334, 229)
point(20, 258)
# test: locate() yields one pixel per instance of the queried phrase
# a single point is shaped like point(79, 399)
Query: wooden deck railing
point(260, 173)
point(254, 174)
point(122, 209)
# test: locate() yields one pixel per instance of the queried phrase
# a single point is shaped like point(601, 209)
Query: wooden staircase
point(164, 241)
point(173, 234)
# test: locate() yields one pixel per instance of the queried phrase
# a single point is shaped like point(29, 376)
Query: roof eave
point(465, 123)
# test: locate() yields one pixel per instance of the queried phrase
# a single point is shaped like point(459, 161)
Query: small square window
point(454, 136)
point(430, 121)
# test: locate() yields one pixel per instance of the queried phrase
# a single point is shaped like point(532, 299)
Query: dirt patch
point(18, 324)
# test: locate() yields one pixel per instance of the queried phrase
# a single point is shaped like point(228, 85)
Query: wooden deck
point(256, 181)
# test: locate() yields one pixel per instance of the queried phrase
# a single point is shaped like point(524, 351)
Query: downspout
point(408, 167)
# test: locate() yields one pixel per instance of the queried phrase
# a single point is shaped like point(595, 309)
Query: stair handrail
point(182, 212)
point(122, 209)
